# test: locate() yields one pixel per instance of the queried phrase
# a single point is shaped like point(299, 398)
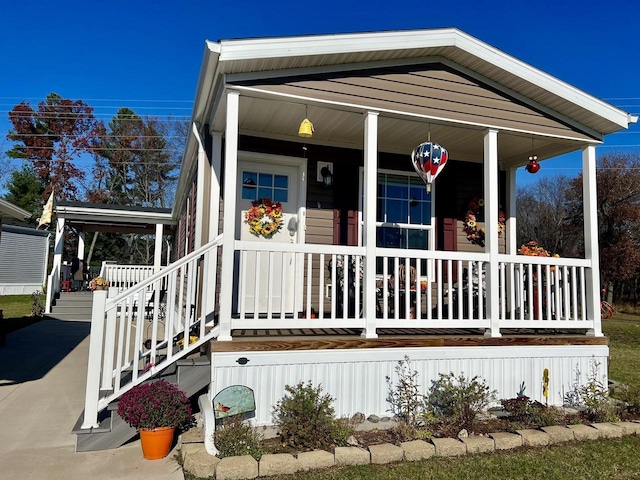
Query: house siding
point(24, 255)
point(431, 89)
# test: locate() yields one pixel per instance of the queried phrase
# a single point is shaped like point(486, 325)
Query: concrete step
point(191, 375)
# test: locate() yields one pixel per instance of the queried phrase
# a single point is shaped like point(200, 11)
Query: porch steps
point(192, 375)
point(72, 307)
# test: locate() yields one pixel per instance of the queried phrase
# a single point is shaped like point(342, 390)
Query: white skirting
point(356, 378)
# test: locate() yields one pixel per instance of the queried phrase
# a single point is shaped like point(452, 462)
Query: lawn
point(16, 312)
point(623, 331)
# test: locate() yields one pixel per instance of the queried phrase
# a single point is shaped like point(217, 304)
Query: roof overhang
point(8, 209)
point(113, 218)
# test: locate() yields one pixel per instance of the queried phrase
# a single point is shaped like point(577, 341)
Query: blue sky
point(147, 54)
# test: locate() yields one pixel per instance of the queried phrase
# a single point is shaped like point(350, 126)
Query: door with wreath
point(271, 199)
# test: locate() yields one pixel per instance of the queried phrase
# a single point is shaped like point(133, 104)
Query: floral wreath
point(264, 217)
point(474, 234)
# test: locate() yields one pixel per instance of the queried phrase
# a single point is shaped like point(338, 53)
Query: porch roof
point(92, 217)
point(264, 57)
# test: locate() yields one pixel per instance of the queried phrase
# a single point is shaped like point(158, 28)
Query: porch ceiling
point(344, 127)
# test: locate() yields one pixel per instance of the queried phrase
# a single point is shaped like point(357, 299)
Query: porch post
point(229, 222)
point(491, 206)
point(81, 237)
point(369, 233)
point(214, 219)
point(511, 240)
point(200, 190)
point(157, 251)
point(590, 212)
point(53, 282)
point(510, 213)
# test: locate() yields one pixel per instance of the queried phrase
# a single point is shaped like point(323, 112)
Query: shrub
point(407, 403)
point(524, 410)
point(237, 438)
point(630, 394)
point(593, 397)
point(455, 402)
point(306, 420)
point(37, 305)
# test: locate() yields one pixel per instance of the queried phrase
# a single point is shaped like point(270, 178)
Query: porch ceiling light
point(306, 127)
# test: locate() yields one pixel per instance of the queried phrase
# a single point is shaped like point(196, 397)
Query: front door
point(270, 279)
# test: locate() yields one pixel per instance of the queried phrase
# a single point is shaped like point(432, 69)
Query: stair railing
point(137, 334)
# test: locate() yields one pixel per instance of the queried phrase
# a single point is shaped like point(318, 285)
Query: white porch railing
point(444, 290)
point(141, 331)
point(124, 277)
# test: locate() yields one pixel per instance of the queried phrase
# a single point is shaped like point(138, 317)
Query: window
point(257, 185)
point(403, 211)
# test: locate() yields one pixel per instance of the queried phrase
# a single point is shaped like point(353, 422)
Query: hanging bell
point(533, 166)
point(306, 128)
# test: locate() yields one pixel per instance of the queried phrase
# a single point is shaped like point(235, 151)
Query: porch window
point(257, 185)
point(403, 212)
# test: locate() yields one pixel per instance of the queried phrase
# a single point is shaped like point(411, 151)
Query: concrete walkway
point(42, 379)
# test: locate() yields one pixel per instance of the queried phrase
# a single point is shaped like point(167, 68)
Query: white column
point(590, 212)
point(157, 252)
point(369, 215)
point(216, 174)
point(214, 219)
point(511, 239)
point(200, 189)
point(59, 245)
point(491, 206)
point(229, 225)
point(81, 242)
point(510, 213)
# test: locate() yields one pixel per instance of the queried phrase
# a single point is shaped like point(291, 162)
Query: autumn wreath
point(264, 218)
point(474, 233)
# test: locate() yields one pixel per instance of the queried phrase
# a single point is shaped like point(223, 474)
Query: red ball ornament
point(533, 166)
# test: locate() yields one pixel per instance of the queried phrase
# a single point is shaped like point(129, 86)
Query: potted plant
point(155, 409)
point(98, 283)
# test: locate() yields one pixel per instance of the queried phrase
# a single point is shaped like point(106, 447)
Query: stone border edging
point(199, 463)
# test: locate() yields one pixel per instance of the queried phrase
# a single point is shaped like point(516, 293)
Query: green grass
point(623, 331)
point(16, 311)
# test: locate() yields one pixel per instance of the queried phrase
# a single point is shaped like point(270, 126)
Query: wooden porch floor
point(283, 339)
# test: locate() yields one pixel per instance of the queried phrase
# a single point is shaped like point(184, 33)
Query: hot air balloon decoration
point(428, 160)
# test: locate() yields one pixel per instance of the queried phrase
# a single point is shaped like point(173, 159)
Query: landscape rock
point(315, 459)
point(533, 438)
point(385, 419)
point(558, 434)
point(277, 464)
point(584, 432)
point(352, 456)
point(197, 461)
point(463, 433)
point(417, 450)
point(358, 418)
point(237, 468)
point(386, 453)
point(449, 447)
point(479, 444)
point(506, 440)
point(608, 430)
point(373, 418)
point(352, 441)
point(629, 428)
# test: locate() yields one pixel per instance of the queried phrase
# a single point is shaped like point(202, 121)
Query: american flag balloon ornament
point(428, 160)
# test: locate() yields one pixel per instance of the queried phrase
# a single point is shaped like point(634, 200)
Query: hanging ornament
point(428, 160)
point(533, 166)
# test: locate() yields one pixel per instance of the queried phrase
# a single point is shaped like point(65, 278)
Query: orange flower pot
point(156, 443)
